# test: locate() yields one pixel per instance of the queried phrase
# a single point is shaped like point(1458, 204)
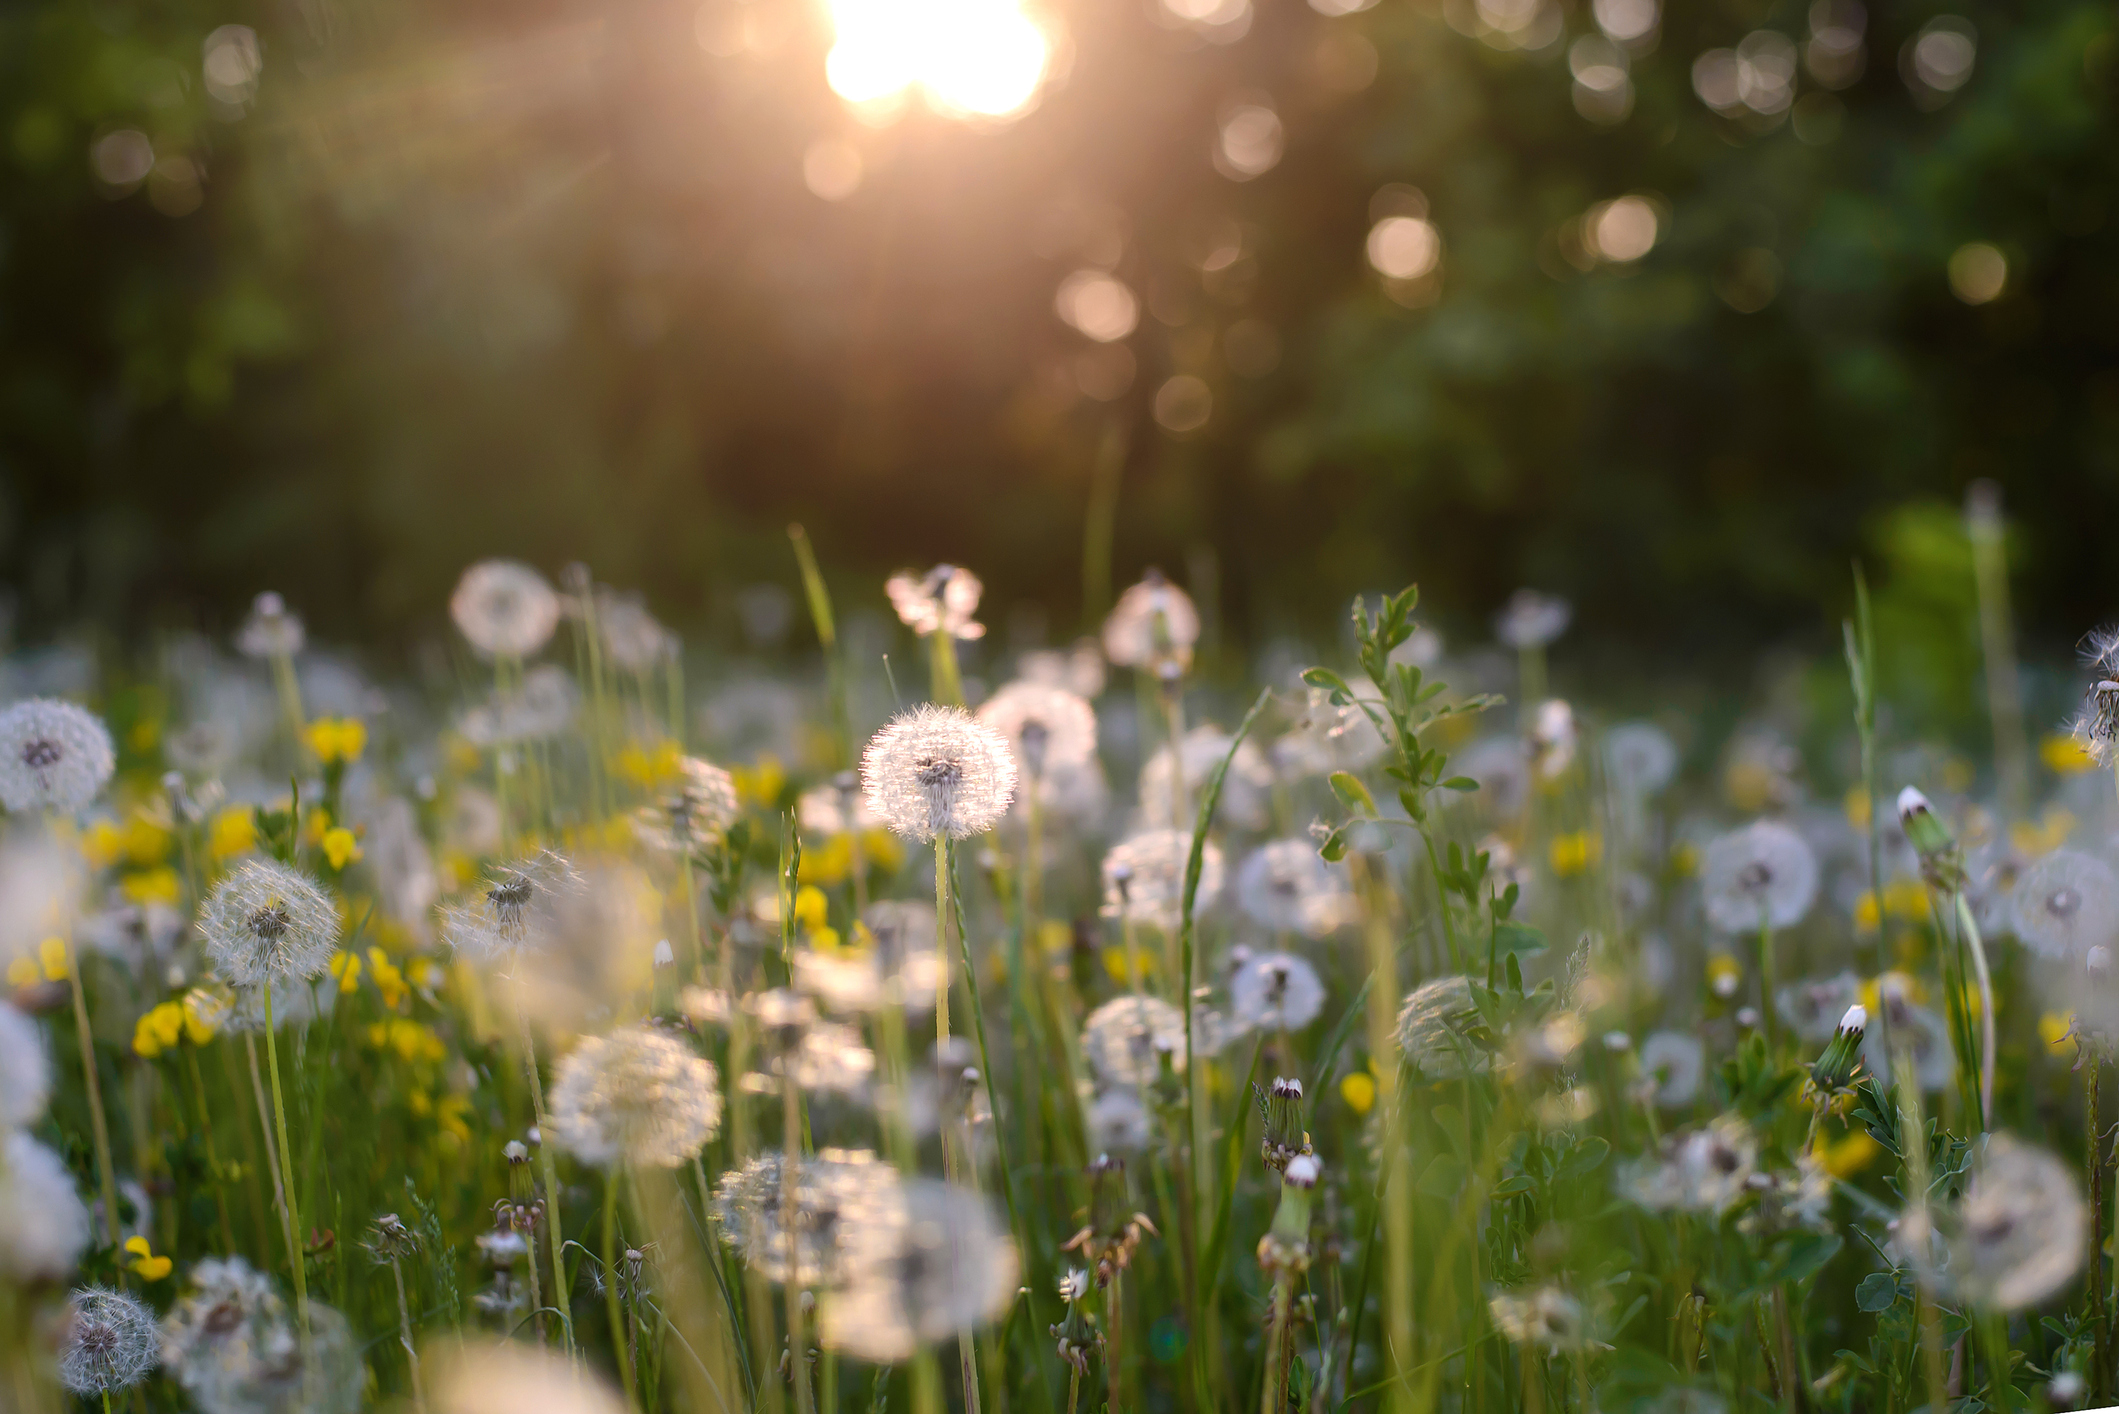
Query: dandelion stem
point(790, 1223)
point(213, 1158)
point(948, 683)
point(106, 1173)
point(1397, 1167)
point(1985, 980)
point(610, 1289)
point(941, 938)
point(1766, 983)
point(1114, 1339)
point(2100, 1366)
point(294, 1215)
point(404, 1334)
point(556, 1240)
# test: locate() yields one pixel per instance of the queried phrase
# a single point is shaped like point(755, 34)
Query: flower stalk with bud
point(1942, 866)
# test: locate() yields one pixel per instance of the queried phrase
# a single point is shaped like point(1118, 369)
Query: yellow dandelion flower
point(147, 886)
point(389, 980)
point(347, 969)
point(649, 769)
point(1577, 853)
point(338, 739)
point(23, 972)
point(450, 1115)
point(1358, 1089)
point(761, 782)
point(52, 956)
point(2051, 832)
point(235, 831)
point(2064, 756)
point(1856, 805)
point(158, 1030)
point(340, 847)
point(145, 1262)
point(204, 1012)
point(101, 843)
point(1056, 937)
point(1848, 1155)
point(146, 841)
point(828, 862)
point(2057, 1030)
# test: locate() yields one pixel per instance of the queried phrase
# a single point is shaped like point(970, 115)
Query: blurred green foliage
point(545, 279)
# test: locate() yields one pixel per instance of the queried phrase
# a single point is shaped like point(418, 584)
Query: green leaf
point(1334, 847)
point(1460, 783)
point(1583, 1159)
point(1876, 1292)
point(1330, 681)
point(1351, 793)
point(1517, 939)
point(1444, 1178)
point(1513, 1187)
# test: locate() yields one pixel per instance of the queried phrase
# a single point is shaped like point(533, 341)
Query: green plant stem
point(1114, 1360)
point(1766, 985)
point(548, 1162)
point(941, 938)
point(1985, 979)
point(404, 1334)
point(612, 1304)
point(2093, 1180)
point(948, 683)
point(790, 1222)
point(1273, 1400)
point(294, 1213)
point(820, 617)
point(1397, 1166)
point(213, 1158)
point(99, 1127)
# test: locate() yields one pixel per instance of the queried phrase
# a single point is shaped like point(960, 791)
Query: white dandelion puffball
point(523, 909)
point(1275, 991)
point(1763, 875)
point(110, 1342)
point(1144, 878)
point(1672, 1064)
point(636, 1096)
point(938, 771)
point(841, 1195)
point(43, 1224)
point(1246, 791)
point(2017, 1235)
point(1532, 619)
point(1435, 1030)
point(1153, 624)
point(692, 813)
point(1290, 888)
point(267, 922)
point(1639, 759)
point(1048, 728)
point(271, 631)
point(234, 1346)
point(513, 1378)
point(25, 1072)
point(504, 608)
point(1126, 1038)
point(944, 598)
point(53, 756)
point(1116, 1122)
point(947, 1266)
point(2066, 904)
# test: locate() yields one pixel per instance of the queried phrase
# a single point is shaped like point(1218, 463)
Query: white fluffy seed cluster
point(1275, 991)
point(268, 922)
point(25, 1074)
point(522, 910)
point(1763, 875)
point(636, 1096)
point(1048, 728)
point(1126, 1038)
point(110, 1342)
point(1153, 626)
point(1144, 878)
point(938, 771)
point(53, 756)
point(504, 609)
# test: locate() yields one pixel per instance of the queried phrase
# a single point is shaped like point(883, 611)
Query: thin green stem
point(1985, 979)
point(106, 1172)
point(294, 1212)
point(612, 1304)
point(548, 1162)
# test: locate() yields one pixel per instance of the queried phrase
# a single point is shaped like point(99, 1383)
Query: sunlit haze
point(982, 58)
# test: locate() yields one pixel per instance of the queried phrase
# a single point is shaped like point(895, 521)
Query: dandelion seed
point(1153, 626)
point(272, 630)
point(53, 756)
point(1246, 792)
point(1763, 875)
point(936, 771)
point(1275, 992)
point(268, 923)
point(1798, 1199)
point(521, 911)
point(1287, 887)
point(695, 814)
point(1532, 619)
point(1144, 878)
point(515, 1378)
point(1639, 760)
point(25, 1072)
point(1546, 1317)
point(1672, 1064)
point(944, 598)
point(1048, 728)
point(1437, 1030)
point(2017, 1236)
point(504, 608)
point(2067, 903)
point(946, 1267)
point(230, 1344)
point(1125, 1038)
point(1813, 1009)
point(110, 1342)
point(43, 1224)
point(636, 1096)
point(844, 1198)
point(1700, 1171)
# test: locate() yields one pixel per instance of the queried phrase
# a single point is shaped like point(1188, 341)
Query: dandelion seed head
point(1812, 1009)
point(232, 1344)
point(110, 1342)
point(271, 631)
point(937, 771)
point(634, 640)
point(693, 813)
point(1079, 669)
point(1639, 759)
point(1144, 878)
point(1275, 991)
point(43, 1223)
point(515, 1378)
point(2017, 1236)
point(521, 910)
point(637, 1096)
point(1126, 1037)
point(268, 922)
point(1435, 1030)
point(947, 1266)
point(1048, 728)
point(1288, 887)
point(25, 1070)
point(504, 609)
point(844, 1198)
point(1116, 1121)
point(1764, 874)
point(1703, 1170)
point(2066, 903)
point(1327, 738)
point(1545, 1317)
point(1532, 620)
point(53, 756)
point(1153, 624)
point(1672, 1064)
point(541, 707)
point(1501, 766)
point(944, 598)
point(1246, 792)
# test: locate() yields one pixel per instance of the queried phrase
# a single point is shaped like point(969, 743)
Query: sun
point(971, 58)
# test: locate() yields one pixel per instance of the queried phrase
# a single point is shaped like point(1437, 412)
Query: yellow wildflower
point(1358, 1089)
point(2057, 1030)
point(2064, 756)
point(146, 841)
point(388, 979)
point(1856, 804)
point(235, 831)
point(2047, 835)
point(761, 782)
point(1684, 861)
point(649, 769)
point(810, 908)
point(829, 861)
point(1848, 1155)
point(147, 886)
point(158, 1030)
point(101, 843)
point(340, 847)
point(1121, 970)
point(205, 1009)
point(1056, 937)
point(424, 973)
point(338, 739)
point(52, 956)
point(449, 1114)
point(22, 972)
point(347, 968)
point(1576, 853)
point(145, 1262)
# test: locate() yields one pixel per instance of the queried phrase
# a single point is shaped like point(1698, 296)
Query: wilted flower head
point(1048, 728)
point(1436, 1029)
point(1144, 878)
point(25, 1073)
point(1246, 792)
point(268, 922)
point(2067, 903)
point(1672, 1064)
point(1763, 875)
point(1813, 1009)
point(1546, 1317)
point(1639, 759)
point(110, 1342)
point(272, 630)
point(843, 1199)
point(636, 1096)
point(233, 1346)
point(504, 608)
point(937, 771)
point(1126, 1037)
point(43, 1225)
point(53, 756)
point(1288, 887)
point(1702, 1170)
point(521, 910)
point(1152, 627)
point(693, 812)
point(947, 1266)
point(1532, 620)
point(1275, 991)
point(2016, 1237)
point(514, 1378)
point(944, 598)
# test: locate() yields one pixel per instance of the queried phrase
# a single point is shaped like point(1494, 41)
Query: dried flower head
point(1762, 876)
point(1672, 1065)
point(944, 598)
point(842, 1197)
point(1288, 887)
point(937, 771)
point(110, 1342)
point(232, 1345)
point(2017, 1235)
point(693, 813)
point(947, 1266)
point(636, 1096)
point(1275, 991)
point(513, 1378)
point(1545, 1317)
point(1144, 878)
point(1152, 627)
point(1048, 728)
point(522, 909)
point(25, 1073)
point(1246, 792)
point(43, 1225)
point(1126, 1038)
point(268, 922)
point(1702, 1170)
point(1076, 1333)
point(504, 608)
point(271, 631)
point(53, 756)
point(2067, 903)
point(1438, 1030)
point(1532, 620)
point(1639, 759)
